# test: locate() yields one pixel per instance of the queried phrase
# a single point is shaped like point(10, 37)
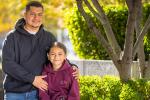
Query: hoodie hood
point(20, 27)
point(64, 66)
point(20, 23)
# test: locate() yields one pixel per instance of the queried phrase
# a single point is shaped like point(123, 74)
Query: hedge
point(110, 88)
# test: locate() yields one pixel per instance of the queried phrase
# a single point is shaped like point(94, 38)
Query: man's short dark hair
point(34, 4)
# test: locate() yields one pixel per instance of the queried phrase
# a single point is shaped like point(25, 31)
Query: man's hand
point(76, 72)
point(40, 83)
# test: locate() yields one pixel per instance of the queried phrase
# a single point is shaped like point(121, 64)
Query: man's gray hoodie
point(23, 56)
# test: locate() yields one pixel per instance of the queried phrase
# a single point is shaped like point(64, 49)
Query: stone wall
point(102, 67)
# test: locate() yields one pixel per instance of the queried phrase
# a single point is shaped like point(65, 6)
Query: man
point(24, 54)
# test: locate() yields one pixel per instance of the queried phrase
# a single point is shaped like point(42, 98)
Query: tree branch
point(141, 54)
point(108, 29)
point(141, 36)
point(129, 4)
point(129, 36)
point(97, 32)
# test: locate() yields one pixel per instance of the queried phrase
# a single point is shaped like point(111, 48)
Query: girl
point(61, 84)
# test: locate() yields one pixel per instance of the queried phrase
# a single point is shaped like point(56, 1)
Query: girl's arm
point(74, 90)
point(75, 73)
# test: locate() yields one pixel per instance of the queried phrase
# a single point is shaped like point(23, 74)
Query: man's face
point(33, 17)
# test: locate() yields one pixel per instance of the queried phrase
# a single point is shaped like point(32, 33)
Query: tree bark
point(124, 71)
point(141, 54)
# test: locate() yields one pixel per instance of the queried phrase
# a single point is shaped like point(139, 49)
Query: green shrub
point(90, 88)
point(110, 88)
point(130, 92)
point(96, 88)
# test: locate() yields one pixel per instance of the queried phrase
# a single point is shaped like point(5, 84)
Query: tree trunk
point(124, 70)
point(147, 70)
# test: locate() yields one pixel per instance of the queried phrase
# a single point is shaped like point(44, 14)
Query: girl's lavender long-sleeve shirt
point(61, 84)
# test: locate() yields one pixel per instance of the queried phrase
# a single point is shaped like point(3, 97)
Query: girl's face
point(57, 57)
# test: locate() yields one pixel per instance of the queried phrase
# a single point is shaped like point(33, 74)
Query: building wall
point(102, 67)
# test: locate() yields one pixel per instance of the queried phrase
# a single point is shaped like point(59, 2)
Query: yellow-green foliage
point(110, 88)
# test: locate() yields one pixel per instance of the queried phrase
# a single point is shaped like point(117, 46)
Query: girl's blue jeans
point(32, 95)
